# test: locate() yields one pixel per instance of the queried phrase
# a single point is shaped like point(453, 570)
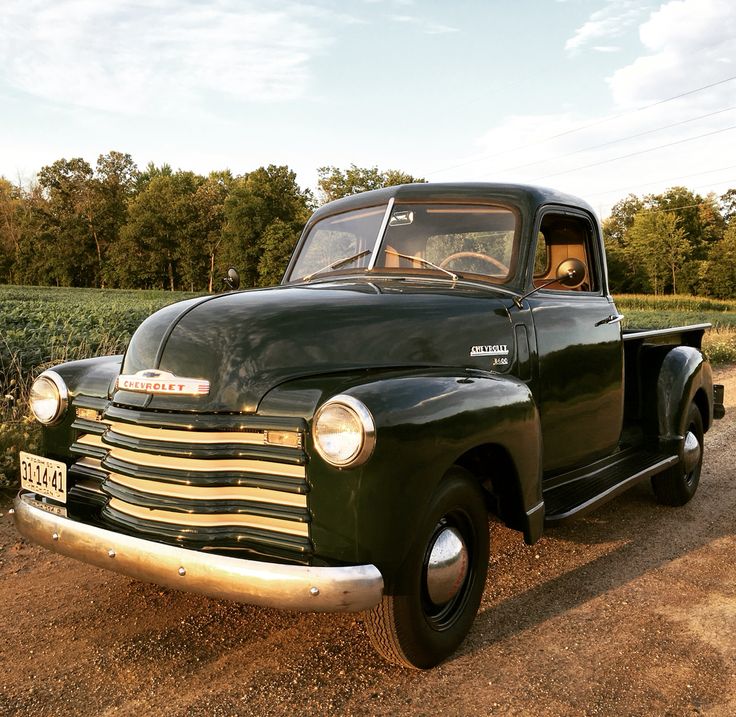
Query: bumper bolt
point(111, 553)
point(55, 536)
point(182, 571)
point(314, 591)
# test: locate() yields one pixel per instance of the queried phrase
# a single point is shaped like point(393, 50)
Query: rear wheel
point(431, 601)
point(678, 484)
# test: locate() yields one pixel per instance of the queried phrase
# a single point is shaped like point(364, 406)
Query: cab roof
point(528, 198)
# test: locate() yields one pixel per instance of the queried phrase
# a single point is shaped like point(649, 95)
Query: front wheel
point(678, 484)
point(431, 601)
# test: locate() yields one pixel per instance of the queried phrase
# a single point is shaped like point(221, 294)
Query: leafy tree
point(728, 205)
point(335, 183)
point(698, 217)
point(150, 172)
point(625, 274)
point(67, 231)
point(115, 180)
point(277, 245)
point(255, 201)
point(11, 213)
point(720, 269)
point(660, 246)
point(158, 245)
point(209, 201)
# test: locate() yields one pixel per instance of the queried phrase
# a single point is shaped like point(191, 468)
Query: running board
point(575, 494)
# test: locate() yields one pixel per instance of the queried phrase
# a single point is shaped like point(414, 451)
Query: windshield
point(449, 240)
point(343, 241)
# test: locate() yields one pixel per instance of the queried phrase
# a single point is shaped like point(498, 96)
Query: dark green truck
point(436, 353)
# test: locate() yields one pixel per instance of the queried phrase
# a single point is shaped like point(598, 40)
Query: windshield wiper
point(336, 264)
point(424, 262)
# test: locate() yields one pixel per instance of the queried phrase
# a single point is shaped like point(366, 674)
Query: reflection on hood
point(246, 343)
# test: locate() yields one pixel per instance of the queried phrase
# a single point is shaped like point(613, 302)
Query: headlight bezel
point(62, 398)
point(364, 419)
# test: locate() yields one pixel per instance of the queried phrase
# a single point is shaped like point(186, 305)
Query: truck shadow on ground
point(646, 537)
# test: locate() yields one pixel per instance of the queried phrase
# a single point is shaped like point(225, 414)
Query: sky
point(600, 98)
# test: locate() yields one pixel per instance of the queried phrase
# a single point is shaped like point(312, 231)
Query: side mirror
point(571, 273)
point(232, 279)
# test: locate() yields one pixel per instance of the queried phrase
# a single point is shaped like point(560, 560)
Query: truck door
point(579, 382)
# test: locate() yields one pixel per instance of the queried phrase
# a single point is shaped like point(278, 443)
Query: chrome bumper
point(290, 587)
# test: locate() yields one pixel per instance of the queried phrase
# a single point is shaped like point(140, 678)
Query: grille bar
point(216, 488)
point(203, 520)
point(207, 493)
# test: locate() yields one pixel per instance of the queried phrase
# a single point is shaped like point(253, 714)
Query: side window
point(564, 237)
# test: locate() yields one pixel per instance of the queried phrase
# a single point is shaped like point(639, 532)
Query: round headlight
point(344, 432)
point(49, 398)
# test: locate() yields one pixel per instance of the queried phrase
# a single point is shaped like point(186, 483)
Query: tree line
point(117, 226)
point(674, 242)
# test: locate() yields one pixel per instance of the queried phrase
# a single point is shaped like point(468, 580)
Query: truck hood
point(246, 343)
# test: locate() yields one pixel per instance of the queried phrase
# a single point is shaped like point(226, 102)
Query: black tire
point(677, 485)
point(408, 627)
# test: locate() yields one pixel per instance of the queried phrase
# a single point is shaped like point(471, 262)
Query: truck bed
point(643, 349)
point(691, 335)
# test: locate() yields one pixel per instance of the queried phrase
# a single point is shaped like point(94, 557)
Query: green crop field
point(659, 312)
point(39, 324)
point(40, 327)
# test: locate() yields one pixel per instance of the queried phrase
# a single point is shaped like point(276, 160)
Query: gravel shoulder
point(630, 611)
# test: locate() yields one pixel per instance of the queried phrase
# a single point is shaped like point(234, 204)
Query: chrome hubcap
point(691, 452)
point(447, 566)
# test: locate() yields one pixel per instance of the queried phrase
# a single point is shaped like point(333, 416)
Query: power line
point(634, 154)
point(617, 141)
point(662, 181)
point(596, 123)
point(648, 210)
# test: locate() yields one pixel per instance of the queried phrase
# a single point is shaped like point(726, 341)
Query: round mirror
point(232, 279)
point(571, 273)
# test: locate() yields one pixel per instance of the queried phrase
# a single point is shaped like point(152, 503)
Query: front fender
point(684, 377)
point(424, 424)
point(89, 378)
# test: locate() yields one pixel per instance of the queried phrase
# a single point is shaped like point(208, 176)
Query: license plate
point(43, 476)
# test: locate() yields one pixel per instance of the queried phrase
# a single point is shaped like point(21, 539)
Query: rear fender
point(684, 377)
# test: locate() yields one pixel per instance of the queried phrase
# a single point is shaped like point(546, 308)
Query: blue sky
point(574, 94)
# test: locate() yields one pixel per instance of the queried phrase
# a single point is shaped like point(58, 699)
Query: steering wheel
point(474, 255)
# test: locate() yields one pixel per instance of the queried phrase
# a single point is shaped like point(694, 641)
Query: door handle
point(612, 319)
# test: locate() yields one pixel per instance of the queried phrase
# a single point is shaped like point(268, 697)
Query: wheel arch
point(685, 377)
point(428, 422)
point(502, 486)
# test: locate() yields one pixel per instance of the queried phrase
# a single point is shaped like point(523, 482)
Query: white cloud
point(129, 56)
point(690, 44)
point(426, 26)
point(611, 21)
point(647, 141)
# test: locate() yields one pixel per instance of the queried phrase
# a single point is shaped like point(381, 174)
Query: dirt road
point(631, 611)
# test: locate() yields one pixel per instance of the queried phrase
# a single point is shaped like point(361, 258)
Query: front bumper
point(290, 587)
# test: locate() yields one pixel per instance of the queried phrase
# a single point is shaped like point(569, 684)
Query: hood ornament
point(162, 383)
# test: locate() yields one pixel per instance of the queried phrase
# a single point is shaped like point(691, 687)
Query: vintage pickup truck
point(436, 353)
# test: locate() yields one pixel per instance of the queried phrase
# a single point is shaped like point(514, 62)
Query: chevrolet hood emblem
point(162, 383)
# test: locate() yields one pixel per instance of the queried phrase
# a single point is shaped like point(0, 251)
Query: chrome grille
point(213, 489)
